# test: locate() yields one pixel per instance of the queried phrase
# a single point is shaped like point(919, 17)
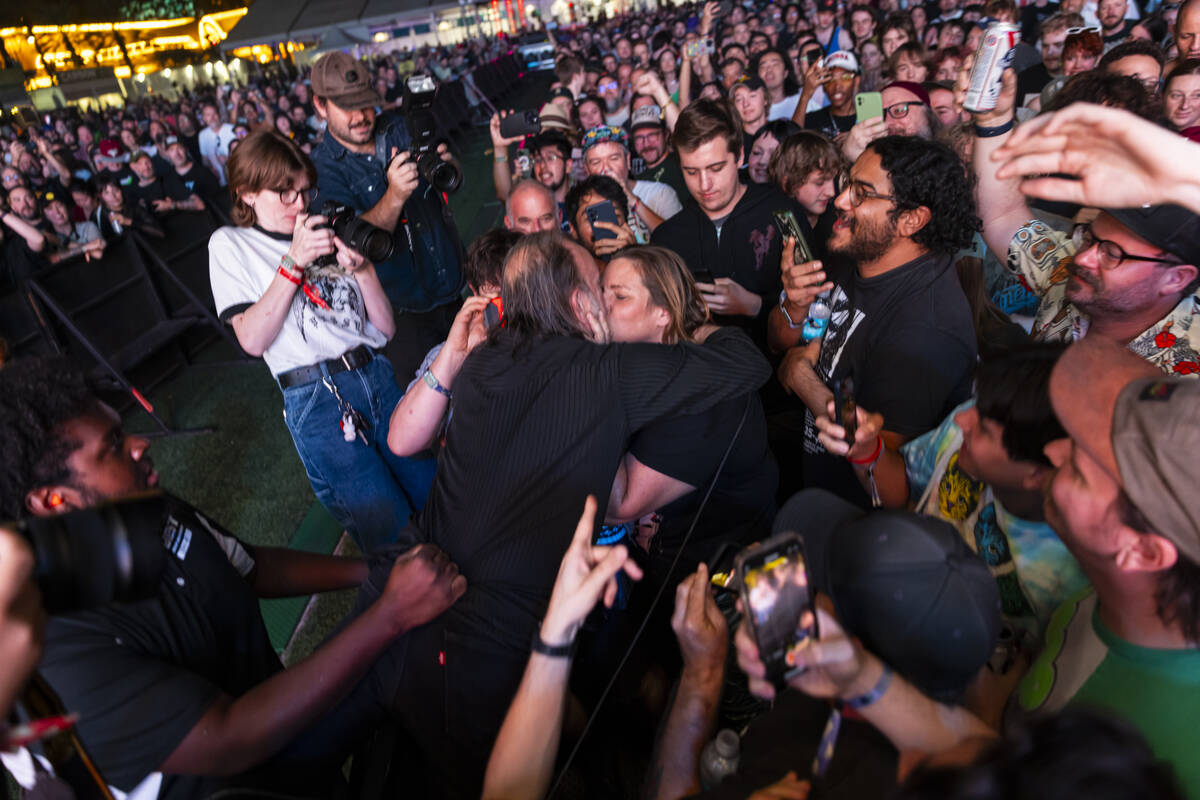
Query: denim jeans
point(368, 489)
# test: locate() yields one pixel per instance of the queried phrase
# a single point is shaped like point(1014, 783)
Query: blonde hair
point(265, 159)
point(671, 287)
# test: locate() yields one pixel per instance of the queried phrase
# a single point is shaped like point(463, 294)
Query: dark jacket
point(748, 251)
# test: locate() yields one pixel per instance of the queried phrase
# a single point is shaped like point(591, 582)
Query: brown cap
point(344, 81)
point(1142, 426)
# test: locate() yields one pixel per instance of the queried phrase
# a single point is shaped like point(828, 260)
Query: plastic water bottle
point(817, 321)
point(719, 759)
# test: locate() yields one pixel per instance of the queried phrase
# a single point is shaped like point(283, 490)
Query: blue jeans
point(367, 488)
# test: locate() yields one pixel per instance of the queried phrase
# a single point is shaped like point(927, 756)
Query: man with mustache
point(1130, 275)
point(364, 162)
point(901, 328)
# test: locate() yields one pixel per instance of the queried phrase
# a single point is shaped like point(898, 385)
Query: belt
point(354, 359)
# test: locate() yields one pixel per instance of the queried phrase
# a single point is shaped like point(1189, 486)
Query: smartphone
point(724, 7)
point(846, 408)
point(773, 580)
point(868, 105)
point(602, 212)
point(493, 313)
point(521, 123)
point(699, 47)
point(810, 56)
point(788, 226)
point(703, 276)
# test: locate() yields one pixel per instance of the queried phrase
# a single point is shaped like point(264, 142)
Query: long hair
point(540, 277)
point(266, 159)
point(671, 287)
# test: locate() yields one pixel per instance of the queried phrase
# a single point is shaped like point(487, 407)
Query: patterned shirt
point(1039, 256)
point(1032, 567)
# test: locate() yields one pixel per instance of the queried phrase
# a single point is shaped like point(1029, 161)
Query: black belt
point(357, 358)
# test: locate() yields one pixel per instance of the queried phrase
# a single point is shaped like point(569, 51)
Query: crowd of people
point(761, 272)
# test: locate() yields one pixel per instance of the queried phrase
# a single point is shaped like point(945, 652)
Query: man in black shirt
point(727, 229)
point(183, 695)
point(543, 413)
point(160, 193)
point(841, 84)
point(901, 326)
point(195, 177)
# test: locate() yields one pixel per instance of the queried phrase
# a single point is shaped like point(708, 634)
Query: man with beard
point(659, 162)
point(551, 152)
point(1130, 275)
point(1054, 34)
point(1112, 20)
point(901, 334)
point(365, 164)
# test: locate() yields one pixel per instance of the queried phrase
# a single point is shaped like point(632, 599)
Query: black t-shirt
point(161, 188)
point(142, 675)
point(823, 121)
point(908, 340)
point(1031, 81)
point(1032, 16)
point(667, 171)
point(200, 180)
point(689, 448)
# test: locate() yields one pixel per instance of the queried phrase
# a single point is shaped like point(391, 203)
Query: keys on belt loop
point(352, 423)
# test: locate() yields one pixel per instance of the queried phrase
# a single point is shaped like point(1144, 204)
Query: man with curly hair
point(901, 331)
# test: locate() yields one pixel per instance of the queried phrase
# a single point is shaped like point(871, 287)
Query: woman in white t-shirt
point(315, 311)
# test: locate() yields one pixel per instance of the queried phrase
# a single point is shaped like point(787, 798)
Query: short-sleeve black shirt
point(142, 675)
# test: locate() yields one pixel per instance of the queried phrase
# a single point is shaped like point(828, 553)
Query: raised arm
point(420, 413)
point(522, 760)
point(501, 168)
point(1002, 207)
point(30, 233)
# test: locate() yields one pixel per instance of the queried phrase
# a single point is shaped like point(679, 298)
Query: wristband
point(501, 157)
point(538, 645)
point(874, 456)
point(878, 691)
point(782, 299)
point(432, 382)
point(288, 274)
point(999, 130)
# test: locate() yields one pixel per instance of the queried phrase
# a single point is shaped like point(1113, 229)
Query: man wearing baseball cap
point(840, 81)
point(1130, 274)
point(364, 162)
point(649, 134)
point(606, 152)
point(1122, 499)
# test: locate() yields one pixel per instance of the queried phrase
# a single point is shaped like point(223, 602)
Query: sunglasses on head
point(1087, 29)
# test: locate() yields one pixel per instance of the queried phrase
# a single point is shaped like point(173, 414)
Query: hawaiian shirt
point(1033, 569)
point(1039, 256)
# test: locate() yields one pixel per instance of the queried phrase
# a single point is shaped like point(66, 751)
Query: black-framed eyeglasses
point(858, 192)
point(289, 196)
point(900, 110)
point(1112, 255)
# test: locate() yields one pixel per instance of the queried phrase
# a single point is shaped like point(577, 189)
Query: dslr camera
point(112, 553)
point(373, 243)
point(417, 102)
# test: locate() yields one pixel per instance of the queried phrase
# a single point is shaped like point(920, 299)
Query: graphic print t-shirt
point(242, 262)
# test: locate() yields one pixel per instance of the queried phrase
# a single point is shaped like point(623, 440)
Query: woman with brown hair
point(315, 311)
point(650, 296)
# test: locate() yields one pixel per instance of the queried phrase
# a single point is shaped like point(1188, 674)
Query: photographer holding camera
point(317, 320)
point(365, 162)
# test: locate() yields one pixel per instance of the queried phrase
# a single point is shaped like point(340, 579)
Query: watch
point(786, 315)
point(432, 382)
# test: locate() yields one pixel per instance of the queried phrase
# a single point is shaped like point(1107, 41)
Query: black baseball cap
point(1173, 228)
point(907, 585)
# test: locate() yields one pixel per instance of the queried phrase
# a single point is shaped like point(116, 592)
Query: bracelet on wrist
point(877, 691)
point(292, 277)
point(433, 383)
point(501, 157)
point(999, 130)
point(540, 645)
point(874, 456)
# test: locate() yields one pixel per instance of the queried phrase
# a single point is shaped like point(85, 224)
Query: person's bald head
point(550, 287)
point(531, 208)
point(1187, 29)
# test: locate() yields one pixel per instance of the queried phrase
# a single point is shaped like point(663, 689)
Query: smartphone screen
point(846, 407)
point(602, 212)
point(868, 105)
point(778, 602)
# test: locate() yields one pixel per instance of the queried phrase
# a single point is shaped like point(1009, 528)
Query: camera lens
point(90, 558)
point(442, 175)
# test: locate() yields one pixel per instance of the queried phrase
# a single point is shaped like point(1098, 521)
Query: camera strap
point(712, 484)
